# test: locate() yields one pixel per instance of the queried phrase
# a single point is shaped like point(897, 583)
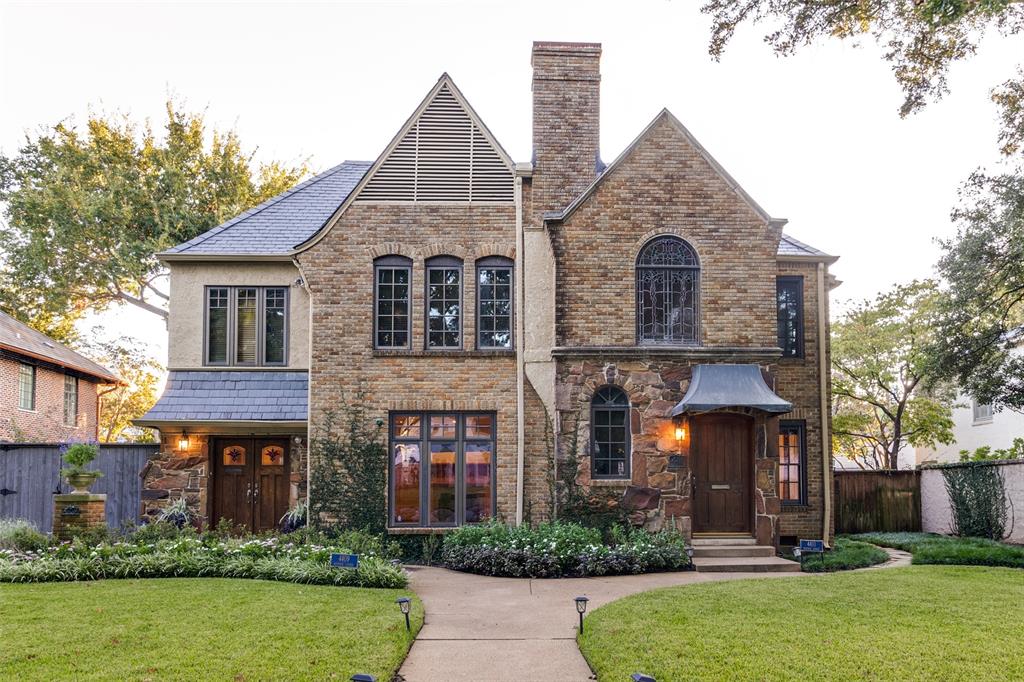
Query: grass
point(919, 622)
point(200, 629)
point(929, 548)
point(845, 555)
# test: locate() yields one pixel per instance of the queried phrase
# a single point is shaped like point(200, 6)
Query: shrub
point(176, 513)
point(845, 555)
point(977, 498)
point(21, 535)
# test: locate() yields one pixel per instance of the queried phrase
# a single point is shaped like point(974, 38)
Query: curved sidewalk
point(496, 629)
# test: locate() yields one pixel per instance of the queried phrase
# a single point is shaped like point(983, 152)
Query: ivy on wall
point(977, 498)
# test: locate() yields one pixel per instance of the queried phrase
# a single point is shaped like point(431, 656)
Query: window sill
point(22, 409)
point(420, 530)
point(610, 482)
point(796, 508)
point(981, 422)
point(450, 353)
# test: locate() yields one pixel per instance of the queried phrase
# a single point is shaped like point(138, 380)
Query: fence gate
point(30, 476)
point(877, 501)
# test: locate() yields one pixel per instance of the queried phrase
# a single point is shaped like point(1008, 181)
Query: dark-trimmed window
point(246, 326)
point(392, 290)
point(792, 462)
point(667, 286)
point(442, 468)
point(789, 292)
point(494, 302)
point(70, 400)
point(444, 302)
point(609, 433)
point(27, 386)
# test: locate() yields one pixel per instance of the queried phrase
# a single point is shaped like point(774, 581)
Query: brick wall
point(46, 422)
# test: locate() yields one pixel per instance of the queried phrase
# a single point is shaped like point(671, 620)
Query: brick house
point(646, 314)
point(48, 392)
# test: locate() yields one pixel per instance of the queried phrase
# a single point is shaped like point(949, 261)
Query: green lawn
point(920, 623)
point(199, 629)
point(929, 548)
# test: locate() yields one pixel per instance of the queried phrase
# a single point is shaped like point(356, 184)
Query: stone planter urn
point(81, 480)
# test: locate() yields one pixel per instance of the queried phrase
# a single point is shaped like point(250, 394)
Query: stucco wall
point(935, 510)
point(185, 324)
point(997, 432)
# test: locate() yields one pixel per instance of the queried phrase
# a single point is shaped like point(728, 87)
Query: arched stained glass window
point(609, 433)
point(667, 286)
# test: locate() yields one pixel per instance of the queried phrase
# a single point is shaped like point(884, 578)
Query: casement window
point(789, 292)
point(609, 433)
point(246, 326)
point(442, 468)
point(494, 303)
point(792, 462)
point(392, 287)
point(70, 400)
point(667, 288)
point(444, 303)
point(26, 386)
point(982, 412)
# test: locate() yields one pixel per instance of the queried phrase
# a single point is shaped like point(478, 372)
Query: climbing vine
point(977, 497)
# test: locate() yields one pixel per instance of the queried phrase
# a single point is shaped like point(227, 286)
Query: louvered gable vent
point(444, 156)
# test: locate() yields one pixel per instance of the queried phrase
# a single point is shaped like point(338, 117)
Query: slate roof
point(279, 224)
point(211, 395)
point(793, 247)
point(21, 339)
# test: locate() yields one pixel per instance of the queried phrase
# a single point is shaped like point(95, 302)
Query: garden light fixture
point(581, 608)
point(405, 604)
point(641, 677)
point(363, 677)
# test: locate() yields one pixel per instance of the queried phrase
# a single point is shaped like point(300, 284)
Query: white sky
point(814, 138)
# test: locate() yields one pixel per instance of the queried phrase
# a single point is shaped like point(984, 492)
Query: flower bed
point(147, 555)
point(555, 550)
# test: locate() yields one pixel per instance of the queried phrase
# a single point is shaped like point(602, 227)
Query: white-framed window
point(70, 400)
point(27, 386)
point(982, 412)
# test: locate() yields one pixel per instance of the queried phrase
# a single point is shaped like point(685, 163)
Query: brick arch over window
point(667, 292)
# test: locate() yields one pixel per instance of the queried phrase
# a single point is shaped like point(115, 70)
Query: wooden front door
point(250, 481)
point(723, 472)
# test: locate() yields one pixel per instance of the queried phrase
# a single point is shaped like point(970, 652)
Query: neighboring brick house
point(646, 313)
point(48, 392)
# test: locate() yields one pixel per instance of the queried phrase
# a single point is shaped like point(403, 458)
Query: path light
point(641, 677)
point(581, 608)
point(405, 604)
point(363, 677)
point(689, 553)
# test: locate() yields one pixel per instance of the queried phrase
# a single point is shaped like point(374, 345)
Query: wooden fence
point(30, 476)
point(877, 501)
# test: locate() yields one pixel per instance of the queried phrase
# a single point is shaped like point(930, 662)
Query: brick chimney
point(566, 121)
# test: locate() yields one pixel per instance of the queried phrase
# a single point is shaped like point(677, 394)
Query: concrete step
point(745, 565)
point(719, 540)
point(733, 550)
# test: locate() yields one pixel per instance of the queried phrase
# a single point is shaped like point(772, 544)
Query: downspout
point(826, 436)
point(520, 309)
point(309, 384)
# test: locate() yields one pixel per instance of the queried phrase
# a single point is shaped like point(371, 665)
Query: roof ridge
point(259, 208)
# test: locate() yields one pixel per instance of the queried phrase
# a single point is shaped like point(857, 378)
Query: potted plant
point(76, 456)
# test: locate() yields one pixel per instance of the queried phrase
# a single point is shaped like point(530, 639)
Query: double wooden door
point(721, 450)
point(250, 481)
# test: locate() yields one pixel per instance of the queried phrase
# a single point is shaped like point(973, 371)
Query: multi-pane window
point(392, 277)
point(494, 303)
point(609, 433)
point(442, 469)
point(982, 412)
point(27, 386)
point(70, 400)
point(444, 302)
point(246, 326)
point(790, 297)
point(667, 285)
point(792, 463)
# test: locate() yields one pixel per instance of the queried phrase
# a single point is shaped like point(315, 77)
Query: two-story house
point(647, 314)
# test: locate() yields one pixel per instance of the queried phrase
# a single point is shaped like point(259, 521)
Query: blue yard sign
point(345, 560)
point(812, 546)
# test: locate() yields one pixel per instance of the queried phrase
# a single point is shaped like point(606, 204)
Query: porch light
point(183, 442)
point(404, 603)
point(680, 433)
point(641, 677)
point(581, 608)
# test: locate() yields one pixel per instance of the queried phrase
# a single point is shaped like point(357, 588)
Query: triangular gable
point(722, 173)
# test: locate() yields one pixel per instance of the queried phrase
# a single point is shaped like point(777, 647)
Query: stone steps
point(704, 551)
point(719, 540)
point(746, 564)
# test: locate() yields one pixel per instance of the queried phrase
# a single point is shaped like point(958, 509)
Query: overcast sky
point(814, 138)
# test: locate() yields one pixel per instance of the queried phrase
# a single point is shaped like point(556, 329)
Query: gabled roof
point(277, 225)
point(23, 340)
point(666, 115)
point(231, 396)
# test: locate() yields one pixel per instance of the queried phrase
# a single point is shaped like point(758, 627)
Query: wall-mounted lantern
point(183, 442)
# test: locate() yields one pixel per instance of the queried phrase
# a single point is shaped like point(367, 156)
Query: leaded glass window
point(217, 325)
point(494, 303)
point(246, 326)
point(393, 276)
point(792, 463)
point(667, 286)
point(609, 433)
point(275, 306)
point(444, 302)
point(70, 400)
point(790, 296)
point(26, 386)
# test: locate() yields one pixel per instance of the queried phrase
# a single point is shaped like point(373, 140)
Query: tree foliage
point(885, 394)
point(121, 405)
point(919, 38)
point(86, 210)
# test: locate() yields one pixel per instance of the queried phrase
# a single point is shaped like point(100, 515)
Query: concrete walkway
point(496, 629)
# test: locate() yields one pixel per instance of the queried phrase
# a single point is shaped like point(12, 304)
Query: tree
point(87, 210)
point(884, 395)
point(121, 405)
point(920, 38)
